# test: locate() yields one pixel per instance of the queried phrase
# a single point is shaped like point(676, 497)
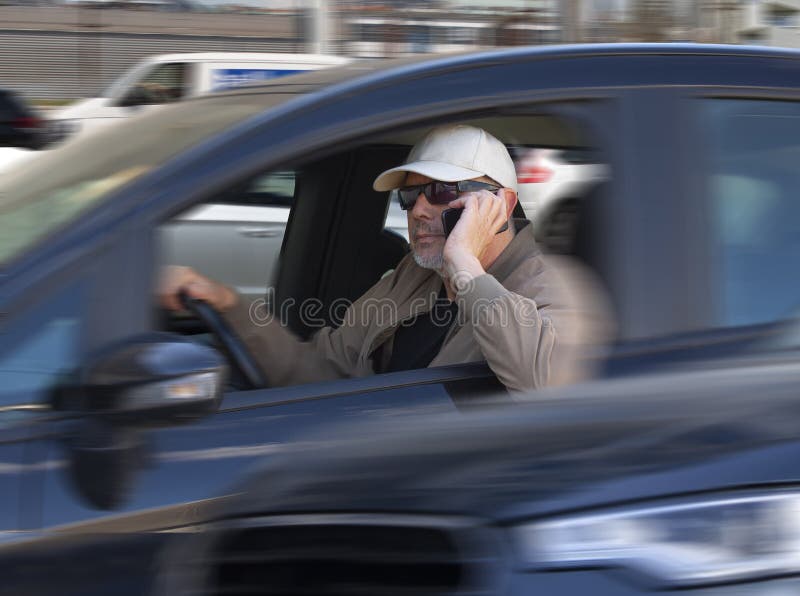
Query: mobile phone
point(450, 219)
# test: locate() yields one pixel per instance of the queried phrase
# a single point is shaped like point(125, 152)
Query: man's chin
point(434, 261)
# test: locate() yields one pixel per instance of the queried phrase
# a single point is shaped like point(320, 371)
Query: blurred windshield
point(119, 85)
point(57, 186)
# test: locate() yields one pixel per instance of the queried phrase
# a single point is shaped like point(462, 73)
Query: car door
point(40, 340)
point(722, 187)
point(751, 207)
point(256, 423)
point(748, 214)
point(174, 475)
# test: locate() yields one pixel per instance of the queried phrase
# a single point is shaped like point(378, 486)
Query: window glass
point(552, 181)
point(163, 84)
point(420, 38)
point(275, 189)
point(372, 33)
point(337, 249)
point(462, 35)
point(755, 209)
point(60, 185)
point(396, 218)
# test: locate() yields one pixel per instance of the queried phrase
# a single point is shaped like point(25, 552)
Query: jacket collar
point(522, 247)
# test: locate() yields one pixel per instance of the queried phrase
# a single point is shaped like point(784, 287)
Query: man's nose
point(422, 208)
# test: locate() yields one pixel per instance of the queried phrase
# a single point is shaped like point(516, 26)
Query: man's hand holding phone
point(484, 215)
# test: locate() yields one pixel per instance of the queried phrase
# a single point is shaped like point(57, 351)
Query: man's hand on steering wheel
point(175, 280)
point(182, 288)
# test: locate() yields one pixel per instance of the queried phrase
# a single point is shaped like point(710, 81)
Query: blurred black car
point(20, 125)
point(126, 467)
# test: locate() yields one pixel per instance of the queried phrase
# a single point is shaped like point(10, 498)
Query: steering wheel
point(232, 346)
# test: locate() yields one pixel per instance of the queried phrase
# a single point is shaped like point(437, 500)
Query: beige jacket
point(526, 318)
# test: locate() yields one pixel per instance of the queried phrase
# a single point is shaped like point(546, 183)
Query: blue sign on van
point(228, 78)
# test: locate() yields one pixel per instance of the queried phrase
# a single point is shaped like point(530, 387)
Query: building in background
point(379, 31)
point(771, 22)
point(168, 5)
point(81, 45)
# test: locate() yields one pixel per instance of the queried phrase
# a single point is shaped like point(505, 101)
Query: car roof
point(366, 72)
point(389, 67)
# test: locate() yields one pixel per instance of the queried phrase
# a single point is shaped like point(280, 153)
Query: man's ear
point(511, 201)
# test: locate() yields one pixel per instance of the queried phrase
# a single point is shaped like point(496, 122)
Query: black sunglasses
point(440, 193)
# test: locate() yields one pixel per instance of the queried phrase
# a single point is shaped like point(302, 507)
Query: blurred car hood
point(557, 450)
point(11, 157)
point(84, 108)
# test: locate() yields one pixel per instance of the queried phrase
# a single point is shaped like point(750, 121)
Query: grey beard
point(435, 262)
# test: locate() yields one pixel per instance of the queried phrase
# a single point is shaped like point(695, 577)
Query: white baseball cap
point(451, 153)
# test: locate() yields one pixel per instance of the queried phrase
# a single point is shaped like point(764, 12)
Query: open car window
point(163, 84)
point(272, 189)
point(339, 236)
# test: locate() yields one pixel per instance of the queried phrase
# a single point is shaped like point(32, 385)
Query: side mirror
point(147, 381)
point(151, 380)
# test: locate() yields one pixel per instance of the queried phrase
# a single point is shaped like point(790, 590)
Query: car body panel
point(653, 439)
point(93, 112)
point(563, 450)
point(232, 442)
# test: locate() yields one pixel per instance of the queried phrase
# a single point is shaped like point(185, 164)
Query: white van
point(166, 78)
point(171, 77)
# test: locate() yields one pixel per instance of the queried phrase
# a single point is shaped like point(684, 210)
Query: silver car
point(238, 240)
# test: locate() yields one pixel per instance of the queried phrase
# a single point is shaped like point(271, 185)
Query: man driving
point(482, 293)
